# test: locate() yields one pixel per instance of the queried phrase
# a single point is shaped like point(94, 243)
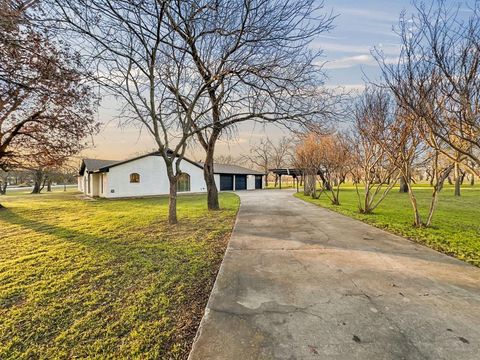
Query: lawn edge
point(219, 272)
point(390, 231)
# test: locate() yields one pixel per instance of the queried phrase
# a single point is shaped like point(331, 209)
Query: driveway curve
point(302, 282)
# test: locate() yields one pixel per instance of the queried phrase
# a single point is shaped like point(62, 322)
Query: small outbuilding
point(146, 176)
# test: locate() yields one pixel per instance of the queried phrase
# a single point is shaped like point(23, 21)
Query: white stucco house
point(146, 176)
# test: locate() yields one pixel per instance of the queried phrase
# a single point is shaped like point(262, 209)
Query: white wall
point(95, 179)
point(250, 182)
point(104, 190)
point(153, 178)
point(80, 183)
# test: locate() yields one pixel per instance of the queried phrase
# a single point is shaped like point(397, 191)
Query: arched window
point(134, 178)
point(183, 182)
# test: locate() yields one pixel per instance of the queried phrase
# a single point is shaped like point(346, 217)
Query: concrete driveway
point(302, 282)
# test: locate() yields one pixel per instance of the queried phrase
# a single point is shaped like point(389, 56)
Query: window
point(134, 178)
point(183, 183)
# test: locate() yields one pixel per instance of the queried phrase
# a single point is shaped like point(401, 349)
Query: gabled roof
point(108, 166)
point(96, 165)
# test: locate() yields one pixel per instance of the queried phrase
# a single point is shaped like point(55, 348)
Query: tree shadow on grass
point(95, 242)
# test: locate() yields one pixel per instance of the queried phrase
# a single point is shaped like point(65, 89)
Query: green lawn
point(456, 223)
point(106, 279)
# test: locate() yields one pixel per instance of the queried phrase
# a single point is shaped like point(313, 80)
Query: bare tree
point(436, 82)
point(403, 143)
point(437, 77)
point(134, 51)
point(46, 105)
point(336, 163)
point(309, 158)
point(228, 159)
point(268, 154)
point(251, 61)
point(281, 154)
point(374, 167)
point(261, 157)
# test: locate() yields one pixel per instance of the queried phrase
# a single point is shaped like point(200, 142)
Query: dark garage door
point(240, 182)
point(258, 181)
point(226, 182)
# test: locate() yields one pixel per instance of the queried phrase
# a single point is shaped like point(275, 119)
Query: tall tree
point(46, 105)
point(268, 154)
point(308, 158)
point(3, 182)
point(133, 49)
point(374, 168)
point(336, 160)
point(260, 157)
point(281, 153)
point(251, 61)
point(437, 76)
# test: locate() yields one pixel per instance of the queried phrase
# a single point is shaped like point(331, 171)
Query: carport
point(295, 173)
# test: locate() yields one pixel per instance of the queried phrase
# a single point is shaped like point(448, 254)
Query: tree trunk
point(335, 195)
point(266, 179)
point(457, 179)
point(49, 185)
point(327, 185)
point(366, 204)
point(172, 201)
point(3, 188)
point(309, 185)
point(36, 188)
point(208, 174)
point(417, 219)
point(403, 185)
point(37, 182)
point(472, 180)
point(433, 205)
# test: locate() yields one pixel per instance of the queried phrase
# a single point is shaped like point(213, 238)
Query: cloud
point(369, 14)
point(345, 88)
point(356, 60)
point(387, 48)
point(349, 61)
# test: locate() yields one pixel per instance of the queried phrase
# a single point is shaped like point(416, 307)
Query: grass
point(456, 222)
point(106, 279)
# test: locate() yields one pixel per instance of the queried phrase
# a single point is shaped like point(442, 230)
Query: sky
point(358, 27)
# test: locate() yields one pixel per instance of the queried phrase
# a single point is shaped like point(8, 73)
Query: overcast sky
point(360, 26)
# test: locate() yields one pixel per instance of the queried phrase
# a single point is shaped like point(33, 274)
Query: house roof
point(232, 169)
point(97, 165)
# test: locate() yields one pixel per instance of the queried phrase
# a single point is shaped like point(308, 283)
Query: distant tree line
point(38, 179)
